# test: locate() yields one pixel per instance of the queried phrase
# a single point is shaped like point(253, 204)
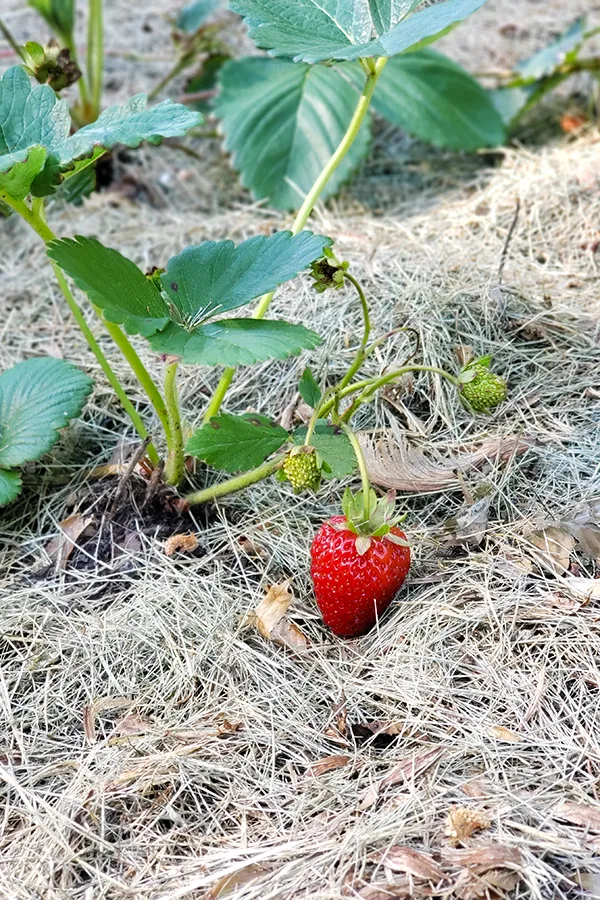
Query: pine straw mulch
point(156, 746)
point(152, 743)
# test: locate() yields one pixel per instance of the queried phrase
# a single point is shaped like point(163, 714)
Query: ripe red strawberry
point(357, 574)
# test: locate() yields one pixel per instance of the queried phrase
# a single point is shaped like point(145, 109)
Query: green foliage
point(237, 443)
point(216, 277)
point(195, 14)
point(113, 283)
point(333, 447)
point(205, 81)
point(318, 30)
point(539, 74)
point(202, 281)
point(235, 342)
point(10, 486)
point(38, 397)
point(35, 133)
point(59, 14)
point(432, 98)
point(282, 123)
point(309, 389)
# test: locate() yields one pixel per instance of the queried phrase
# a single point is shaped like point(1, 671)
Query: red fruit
point(353, 590)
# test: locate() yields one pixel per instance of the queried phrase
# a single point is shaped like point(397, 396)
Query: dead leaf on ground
point(338, 727)
point(229, 884)
point(494, 883)
point(579, 814)
point(584, 524)
point(588, 588)
point(407, 769)
point(409, 861)
point(553, 548)
point(60, 547)
point(327, 764)
point(484, 859)
point(588, 881)
point(251, 548)
point(463, 822)
point(476, 788)
point(389, 890)
point(505, 734)
point(269, 618)
point(470, 525)
point(180, 543)
point(132, 723)
point(392, 463)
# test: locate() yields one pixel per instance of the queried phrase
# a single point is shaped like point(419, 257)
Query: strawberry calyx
point(369, 517)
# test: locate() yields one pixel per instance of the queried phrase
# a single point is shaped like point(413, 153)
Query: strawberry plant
point(56, 63)
point(541, 73)
point(183, 306)
point(38, 397)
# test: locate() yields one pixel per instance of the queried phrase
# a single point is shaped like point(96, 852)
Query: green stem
point(175, 468)
point(307, 207)
point(140, 371)
point(35, 219)
point(11, 40)
point(362, 465)
point(362, 350)
point(179, 66)
point(95, 58)
point(236, 484)
point(370, 385)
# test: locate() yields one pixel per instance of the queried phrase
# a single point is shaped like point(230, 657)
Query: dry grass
point(150, 745)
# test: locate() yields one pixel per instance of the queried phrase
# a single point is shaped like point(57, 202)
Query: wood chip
point(505, 734)
point(180, 543)
point(388, 890)
point(269, 618)
point(579, 814)
point(484, 859)
point(230, 884)
point(327, 764)
point(409, 861)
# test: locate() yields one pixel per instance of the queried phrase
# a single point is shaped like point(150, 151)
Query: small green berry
point(485, 390)
point(301, 469)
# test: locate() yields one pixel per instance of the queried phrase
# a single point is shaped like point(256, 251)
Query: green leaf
point(237, 443)
point(333, 446)
point(17, 181)
point(37, 398)
point(195, 14)
point(113, 283)
point(539, 74)
point(282, 123)
point(218, 276)
point(80, 186)
point(317, 30)
point(234, 342)
point(564, 48)
point(32, 118)
point(432, 98)
point(309, 389)
point(205, 80)
point(10, 486)
point(59, 14)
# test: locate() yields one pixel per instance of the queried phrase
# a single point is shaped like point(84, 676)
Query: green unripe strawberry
point(485, 390)
point(301, 468)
